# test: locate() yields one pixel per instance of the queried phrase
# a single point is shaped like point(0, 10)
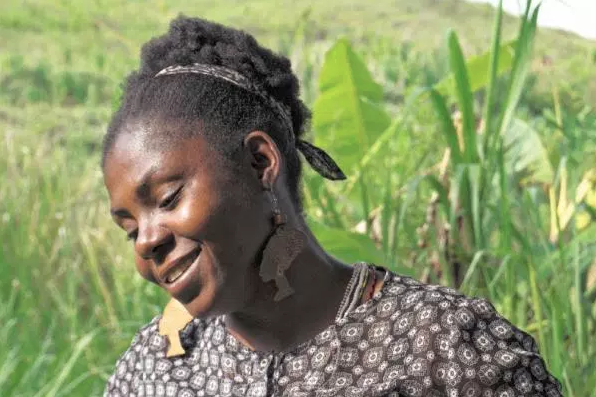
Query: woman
point(202, 169)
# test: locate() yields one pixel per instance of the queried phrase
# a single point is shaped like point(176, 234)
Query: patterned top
point(410, 339)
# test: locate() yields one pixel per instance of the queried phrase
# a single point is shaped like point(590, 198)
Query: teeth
point(175, 275)
point(179, 271)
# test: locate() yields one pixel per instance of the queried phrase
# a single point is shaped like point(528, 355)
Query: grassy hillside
point(101, 39)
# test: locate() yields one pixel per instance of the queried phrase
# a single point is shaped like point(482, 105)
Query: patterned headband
point(318, 159)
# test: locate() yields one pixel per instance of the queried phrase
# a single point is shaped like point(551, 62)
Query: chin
point(197, 288)
point(204, 305)
point(207, 290)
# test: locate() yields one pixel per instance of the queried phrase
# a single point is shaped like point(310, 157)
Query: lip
point(180, 261)
point(187, 287)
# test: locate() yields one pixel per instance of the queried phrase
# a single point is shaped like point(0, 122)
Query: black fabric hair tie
point(316, 157)
point(320, 161)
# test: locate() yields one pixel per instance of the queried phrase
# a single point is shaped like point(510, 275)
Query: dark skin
point(187, 207)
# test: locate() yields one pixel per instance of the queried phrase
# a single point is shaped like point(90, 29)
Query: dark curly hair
point(223, 112)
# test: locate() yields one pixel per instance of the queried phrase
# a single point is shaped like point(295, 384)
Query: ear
point(265, 157)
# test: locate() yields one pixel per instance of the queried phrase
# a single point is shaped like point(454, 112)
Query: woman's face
point(197, 224)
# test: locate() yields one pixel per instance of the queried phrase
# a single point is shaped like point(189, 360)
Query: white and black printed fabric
point(411, 339)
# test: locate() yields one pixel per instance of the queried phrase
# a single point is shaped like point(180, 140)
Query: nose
point(153, 242)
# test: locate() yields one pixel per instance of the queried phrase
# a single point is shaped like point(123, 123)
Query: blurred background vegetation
point(470, 154)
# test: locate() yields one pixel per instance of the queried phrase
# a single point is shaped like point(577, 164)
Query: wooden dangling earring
point(283, 246)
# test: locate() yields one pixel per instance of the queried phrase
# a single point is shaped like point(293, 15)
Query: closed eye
point(132, 235)
point(171, 200)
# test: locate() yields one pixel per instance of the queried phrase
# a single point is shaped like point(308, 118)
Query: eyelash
point(171, 200)
point(131, 236)
point(168, 203)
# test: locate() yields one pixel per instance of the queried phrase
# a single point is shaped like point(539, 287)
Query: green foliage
point(477, 67)
point(22, 84)
point(488, 233)
point(527, 159)
point(350, 246)
point(347, 112)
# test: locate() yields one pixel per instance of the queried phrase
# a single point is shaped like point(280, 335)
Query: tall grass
point(68, 293)
point(492, 199)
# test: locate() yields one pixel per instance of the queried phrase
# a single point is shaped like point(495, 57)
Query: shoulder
point(146, 346)
point(441, 341)
point(129, 364)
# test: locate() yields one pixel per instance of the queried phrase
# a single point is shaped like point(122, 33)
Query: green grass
point(71, 300)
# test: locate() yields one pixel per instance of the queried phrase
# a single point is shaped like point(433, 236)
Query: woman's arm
point(471, 350)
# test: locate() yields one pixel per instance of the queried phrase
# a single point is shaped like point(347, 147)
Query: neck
point(319, 282)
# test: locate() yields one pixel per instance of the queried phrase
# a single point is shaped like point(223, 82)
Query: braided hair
point(222, 112)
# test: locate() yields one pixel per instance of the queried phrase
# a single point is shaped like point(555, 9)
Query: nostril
point(153, 241)
point(161, 251)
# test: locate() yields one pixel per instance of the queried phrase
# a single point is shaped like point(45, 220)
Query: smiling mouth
point(177, 271)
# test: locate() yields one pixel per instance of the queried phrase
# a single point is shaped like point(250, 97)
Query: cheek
point(225, 214)
point(193, 220)
point(144, 268)
point(208, 213)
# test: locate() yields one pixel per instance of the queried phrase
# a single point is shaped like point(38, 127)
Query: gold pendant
point(173, 320)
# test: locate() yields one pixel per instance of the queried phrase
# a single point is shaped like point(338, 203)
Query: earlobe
point(264, 156)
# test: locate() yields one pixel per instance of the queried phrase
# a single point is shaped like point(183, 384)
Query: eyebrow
point(120, 213)
point(143, 190)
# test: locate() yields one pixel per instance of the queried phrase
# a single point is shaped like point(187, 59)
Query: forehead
point(135, 154)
